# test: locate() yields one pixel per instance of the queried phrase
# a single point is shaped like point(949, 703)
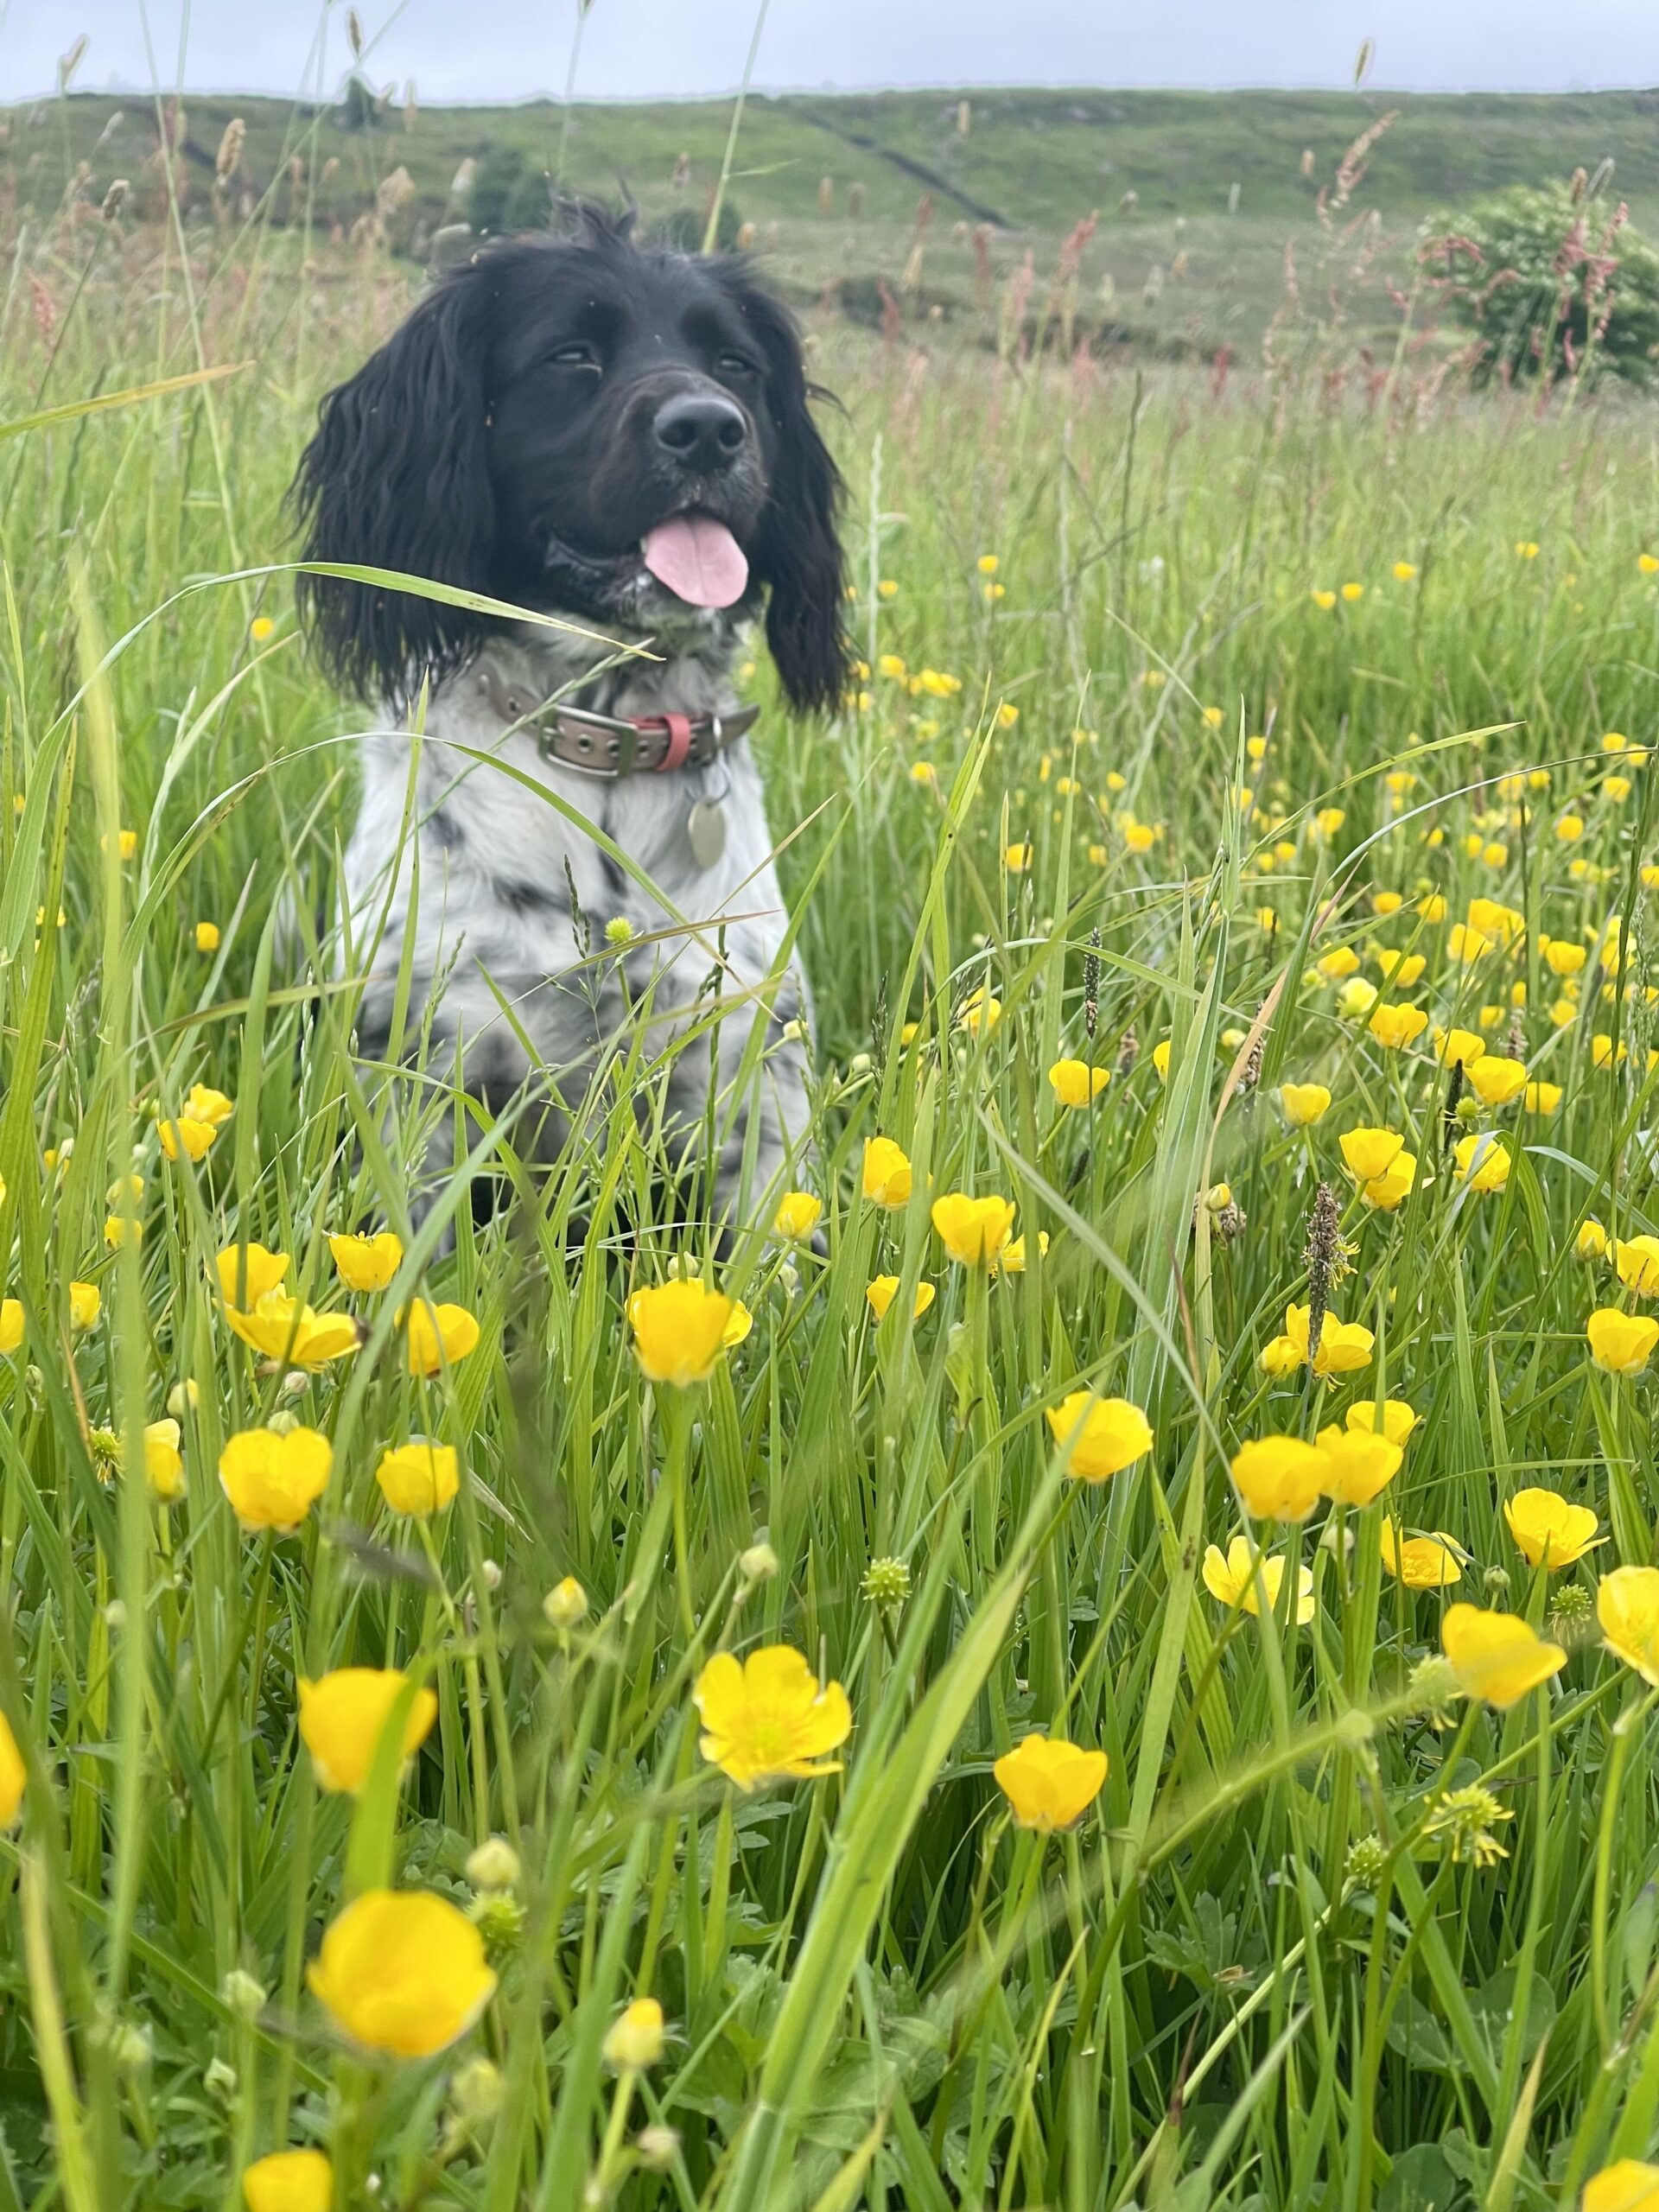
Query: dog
point(622, 438)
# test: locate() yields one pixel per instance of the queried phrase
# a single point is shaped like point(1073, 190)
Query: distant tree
point(360, 110)
point(1554, 282)
point(508, 195)
point(684, 228)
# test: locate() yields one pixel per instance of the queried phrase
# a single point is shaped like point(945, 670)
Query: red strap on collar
point(679, 743)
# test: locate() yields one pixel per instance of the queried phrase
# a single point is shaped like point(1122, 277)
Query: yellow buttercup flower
point(1100, 1436)
point(768, 1718)
point(1160, 1052)
point(1384, 1193)
point(1324, 600)
point(1497, 1657)
point(1458, 1047)
point(1564, 957)
point(367, 1262)
point(972, 1230)
point(1404, 571)
point(798, 1214)
point(206, 940)
point(163, 1462)
point(1341, 961)
point(1280, 1356)
point(880, 1294)
point(289, 2181)
point(186, 1135)
point(14, 1776)
point(11, 1324)
point(419, 1478)
point(1359, 1464)
point(1548, 1530)
point(273, 1478)
point(1279, 1477)
point(1304, 1102)
point(1049, 1784)
point(282, 1328)
point(1483, 1161)
point(1628, 2185)
point(403, 1972)
point(1011, 1260)
point(1396, 1027)
point(1495, 1079)
point(1591, 1242)
point(344, 1714)
point(1621, 1344)
point(437, 1336)
point(1233, 1581)
point(1627, 1607)
point(887, 1176)
point(1344, 1346)
point(679, 1331)
point(1637, 1259)
point(979, 1010)
point(1356, 998)
point(86, 1304)
point(1420, 1562)
point(1402, 969)
point(1543, 1098)
point(1370, 1153)
point(635, 2038)
point(1398, 1418)
point(1075, 1083)
point(246, 1272)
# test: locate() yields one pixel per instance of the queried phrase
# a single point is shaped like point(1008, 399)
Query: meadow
point(1101, 1653)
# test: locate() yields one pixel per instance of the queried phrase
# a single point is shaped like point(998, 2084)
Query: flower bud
point(184, 1397)
point(129, 2048)
point(494, 1865)
point(242, 1994)
point(490, 1574)
point(635, 2040)
point(565, 1604)
point(759, 1563)
point(282, 1423)
point(219, 2079)
point(657, 2148)
point(478, 2090)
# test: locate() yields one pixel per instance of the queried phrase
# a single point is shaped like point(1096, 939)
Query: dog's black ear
point(397, 477)
point(798, 554)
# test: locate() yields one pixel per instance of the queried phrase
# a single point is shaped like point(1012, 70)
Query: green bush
point(508, 195)
point(1554, 282)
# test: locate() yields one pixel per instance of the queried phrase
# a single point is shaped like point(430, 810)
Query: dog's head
point(584, 425)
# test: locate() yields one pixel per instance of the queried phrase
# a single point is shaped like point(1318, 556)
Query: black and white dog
point(621, 437)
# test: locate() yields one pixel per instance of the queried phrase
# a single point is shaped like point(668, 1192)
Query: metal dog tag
point(706, 827)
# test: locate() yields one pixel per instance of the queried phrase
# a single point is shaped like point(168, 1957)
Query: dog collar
point(612, 745)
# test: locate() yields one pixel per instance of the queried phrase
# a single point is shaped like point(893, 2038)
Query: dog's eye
point(734, 365)
point(576, 356)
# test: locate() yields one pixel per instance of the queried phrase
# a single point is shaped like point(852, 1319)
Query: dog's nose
point(703, 431)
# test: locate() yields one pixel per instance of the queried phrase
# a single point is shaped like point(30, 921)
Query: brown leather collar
point(612, 745)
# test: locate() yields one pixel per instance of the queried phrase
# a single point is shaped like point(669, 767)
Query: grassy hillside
point(1196, 192)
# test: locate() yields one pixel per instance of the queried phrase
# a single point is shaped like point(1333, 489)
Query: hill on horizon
point(1191, 195)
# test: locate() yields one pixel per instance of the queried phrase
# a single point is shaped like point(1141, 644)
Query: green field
point(1032, 165)
point(1217, 735)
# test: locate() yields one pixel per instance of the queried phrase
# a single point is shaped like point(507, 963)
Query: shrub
point(1554, 283)
point(508, 195)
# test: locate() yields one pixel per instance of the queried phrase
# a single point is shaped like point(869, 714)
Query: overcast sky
point(503, 50)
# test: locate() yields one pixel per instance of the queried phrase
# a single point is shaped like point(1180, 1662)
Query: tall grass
point(1254, 1973)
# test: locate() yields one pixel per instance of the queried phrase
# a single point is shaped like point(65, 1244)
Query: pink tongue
point(698, 559)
